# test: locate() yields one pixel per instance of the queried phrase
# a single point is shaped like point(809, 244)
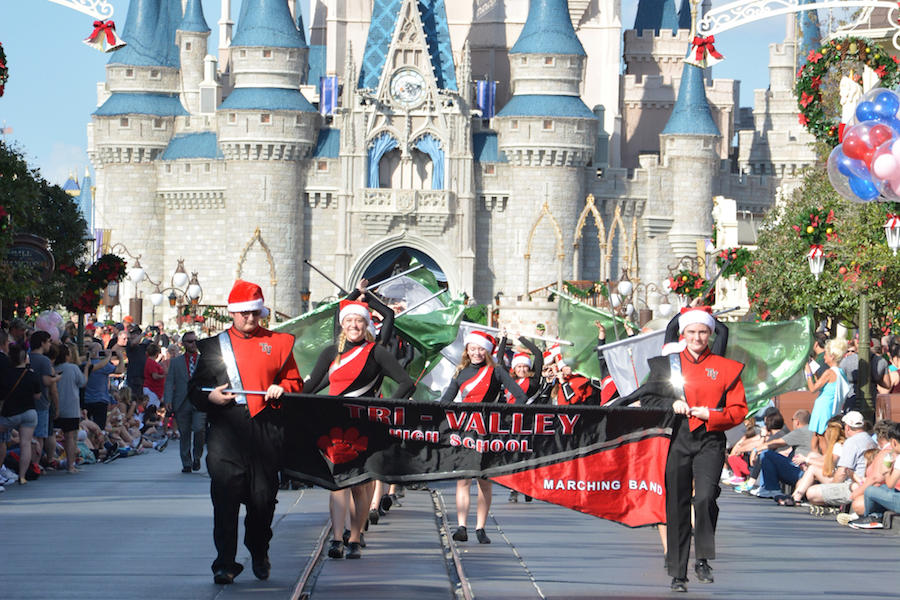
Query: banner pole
point(397, 276)
point(333, 282)
point(530, 337)
point(418, 304)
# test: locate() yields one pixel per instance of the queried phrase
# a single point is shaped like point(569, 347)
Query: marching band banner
point(607, 462)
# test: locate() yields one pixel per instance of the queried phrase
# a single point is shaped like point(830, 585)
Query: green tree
point(858, 260)
point(37, 207)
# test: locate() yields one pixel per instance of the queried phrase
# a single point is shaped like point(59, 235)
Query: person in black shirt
point(19, 388)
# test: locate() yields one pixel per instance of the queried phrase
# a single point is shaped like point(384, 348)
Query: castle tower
point(266, 132)
point(548, 134)
point(810, 34)
point(133, 126)
point(689, 145)
point(192, 37)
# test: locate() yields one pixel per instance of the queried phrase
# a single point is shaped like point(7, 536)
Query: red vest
point(714, 382)
point(341, 375)
point(476, 388)
point(263, 359)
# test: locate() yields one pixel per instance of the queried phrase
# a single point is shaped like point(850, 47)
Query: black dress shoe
point(679, 585)
point(461, 535)
point(262, 568)
point(703, 571)
point(225, 576)
point(196, 464)
point(346, 536)
point(386, 502)
point(482, 536)
point(185, 469)
point(353, 550)
point(665, 562)
point(373, 517)
point(336, 550)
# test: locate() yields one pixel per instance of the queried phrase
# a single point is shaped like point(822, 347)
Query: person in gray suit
point(189, 419)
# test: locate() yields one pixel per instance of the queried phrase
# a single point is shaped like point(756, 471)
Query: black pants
point(97, 412)
point(192, 430)
point(692, 477)
point(244, 457)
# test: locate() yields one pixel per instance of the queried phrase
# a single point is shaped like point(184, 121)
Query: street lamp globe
point(625, 287)
point(629, 309)
point(180, 278)
point(136, 273)
point(892, 231)
point(816, 258)
point(156, 298)
point(194, 289)
point(615, 300)
point(665, 309)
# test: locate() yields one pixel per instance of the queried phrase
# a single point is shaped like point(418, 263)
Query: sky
point(53, 77)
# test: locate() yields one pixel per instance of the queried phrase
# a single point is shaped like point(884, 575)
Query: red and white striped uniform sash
point(476, 388)
point(524, 383)
point(343, 376)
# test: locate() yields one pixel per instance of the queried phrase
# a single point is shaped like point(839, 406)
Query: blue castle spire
point(660, 14)
point(691, 114)
point(300, 26)
point(194, 20)
point(548, 30)
point(810, 35)
point(684, 15)
point(150, 34)
point(267, 23)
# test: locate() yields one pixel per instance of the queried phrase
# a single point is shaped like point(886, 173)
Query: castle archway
point(391, 254)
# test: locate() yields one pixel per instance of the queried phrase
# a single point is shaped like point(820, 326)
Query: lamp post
point(892, 232)
point(304, 298)
point(816, 258)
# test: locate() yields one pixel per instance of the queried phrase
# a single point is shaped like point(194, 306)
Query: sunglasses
point(247, 313)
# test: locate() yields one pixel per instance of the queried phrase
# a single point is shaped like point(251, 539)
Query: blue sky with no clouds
point(52, 89)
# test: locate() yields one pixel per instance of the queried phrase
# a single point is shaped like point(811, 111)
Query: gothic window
point(187, 122)
point(389, 171)
point(298, 120)
point(524, 61)
point(265, 118)
point(514, 125)
point(292, 54)
point(168, 169)
point(423, 168)
point(207, 168)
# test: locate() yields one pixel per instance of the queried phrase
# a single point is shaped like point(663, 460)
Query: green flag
point(425, 277)
point(773, 354)
point(576, 324)
point(431, 332)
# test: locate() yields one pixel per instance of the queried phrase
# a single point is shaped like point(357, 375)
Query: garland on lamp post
point(91, 281)
point(810, 79)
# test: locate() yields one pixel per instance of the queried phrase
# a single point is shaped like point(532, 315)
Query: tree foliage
point(858, 259)
point(37, 207)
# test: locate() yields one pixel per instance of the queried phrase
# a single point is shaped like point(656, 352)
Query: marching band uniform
point(530, 385)
point(245, 436)
point(483, 382)
point(697, 447)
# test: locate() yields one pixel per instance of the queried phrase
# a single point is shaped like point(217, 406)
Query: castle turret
point(549, 135)
point(689, 148)
point(266, 132)
point(661, 14)
point(192, 37)
point(132, 128)
point(810, 35)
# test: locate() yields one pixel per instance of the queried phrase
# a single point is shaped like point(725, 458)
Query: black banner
point(608, 462)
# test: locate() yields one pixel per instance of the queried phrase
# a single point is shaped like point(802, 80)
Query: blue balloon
point(864, 189)
point(886, 105)
point(865, 111)
point(851, 167)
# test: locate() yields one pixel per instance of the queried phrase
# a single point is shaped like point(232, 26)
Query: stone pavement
point(140, 529)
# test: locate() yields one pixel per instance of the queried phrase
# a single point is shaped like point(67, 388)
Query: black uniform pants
point(693, 470)
point(244, 457)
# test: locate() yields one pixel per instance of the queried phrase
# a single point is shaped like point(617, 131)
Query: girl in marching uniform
point(478, 379)
point(354, 368)
point(527, 371)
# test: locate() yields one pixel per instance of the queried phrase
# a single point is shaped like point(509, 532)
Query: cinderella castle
point(496, 141)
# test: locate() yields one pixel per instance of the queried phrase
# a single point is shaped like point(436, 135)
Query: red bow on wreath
point(703, 52)
point(104, 34)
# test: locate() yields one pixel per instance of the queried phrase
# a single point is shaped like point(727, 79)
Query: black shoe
point(284, 485)
point(703, 571)
point(461, 535)
point(225, 576)
point(528, 498)
point(262, 568)
point(400, 493)
point(185, 469)
point(353, 550)
point(336, 550)
point(381, 512)
point(679, 585)
point(373, 517)
point(362, 541)
point(386, 502)
point(482, 536)
point(296, 485)
point(346, 536)
point(394, 499)
point(196, 464)
point(513, 496)
point(665, 562)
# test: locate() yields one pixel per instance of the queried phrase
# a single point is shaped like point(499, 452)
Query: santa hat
point(246, 297)
point(480, 338)
point(353, 307)
point(521, 358)
point(674, 348)
point(554, 354)
point(701, 315)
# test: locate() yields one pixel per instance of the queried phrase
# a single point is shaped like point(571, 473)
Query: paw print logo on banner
point(341, 446)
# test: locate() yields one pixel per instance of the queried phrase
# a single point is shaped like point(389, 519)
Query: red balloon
point(857, 149)
point(880, 134)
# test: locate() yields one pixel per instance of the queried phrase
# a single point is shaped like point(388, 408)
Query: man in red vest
point(245, 435)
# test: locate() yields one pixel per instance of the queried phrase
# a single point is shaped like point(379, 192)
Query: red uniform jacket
point(714, 382)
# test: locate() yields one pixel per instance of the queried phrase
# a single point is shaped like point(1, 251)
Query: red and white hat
point(354, 307)
point(480, 338)
point(701, 315)
point(554, 354)
point(246, 296)
point(521, 358)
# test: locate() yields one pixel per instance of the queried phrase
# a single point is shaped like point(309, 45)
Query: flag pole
point(530, 337)
point(642, 336)
point(313, 267)
point(418, 304)
point(397, 276)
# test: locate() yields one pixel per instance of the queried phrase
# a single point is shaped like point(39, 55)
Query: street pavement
point(140, 529)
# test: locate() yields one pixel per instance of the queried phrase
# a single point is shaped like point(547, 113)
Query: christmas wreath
point(815, 226)
point(93, 280)
point(687, 283)
point(4, 70)
point(810, 78)
point(740, 262)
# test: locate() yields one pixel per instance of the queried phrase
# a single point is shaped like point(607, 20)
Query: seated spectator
point(738, 457)
point(819, 468)
point(880, 498)
point(779, 469)
point(850, 467)
point(873, 472)
point(773, 429)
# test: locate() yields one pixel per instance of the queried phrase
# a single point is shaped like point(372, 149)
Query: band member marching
point(245, 434)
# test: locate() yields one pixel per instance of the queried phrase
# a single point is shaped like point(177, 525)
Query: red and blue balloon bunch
point(865, 166)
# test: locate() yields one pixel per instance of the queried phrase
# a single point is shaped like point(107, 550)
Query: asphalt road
point(140, 529)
